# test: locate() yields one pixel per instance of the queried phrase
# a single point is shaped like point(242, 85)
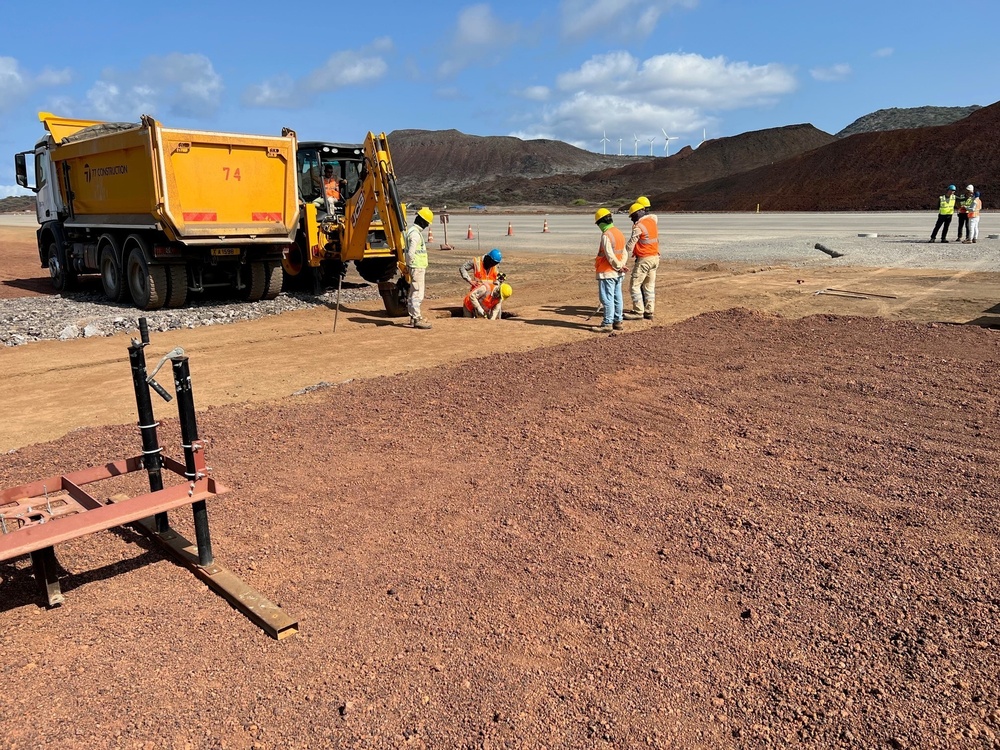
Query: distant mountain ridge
point(895, 118)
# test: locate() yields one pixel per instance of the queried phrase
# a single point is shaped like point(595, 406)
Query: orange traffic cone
point(470, 235)
point(510, 229)
point(430, 234)
point(545, 225)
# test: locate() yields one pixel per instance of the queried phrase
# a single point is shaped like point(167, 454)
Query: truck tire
point(254, 281)
point(62, 275)
point(374, 270)
point(273, 272)
point(148, 284)
point(177, 285)
point(110, 265)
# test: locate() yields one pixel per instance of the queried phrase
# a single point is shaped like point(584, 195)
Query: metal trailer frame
point(34, 517)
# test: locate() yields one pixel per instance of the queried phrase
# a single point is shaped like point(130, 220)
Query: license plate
point(225, 251)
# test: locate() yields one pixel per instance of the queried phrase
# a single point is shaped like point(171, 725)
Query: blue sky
point(572, 70)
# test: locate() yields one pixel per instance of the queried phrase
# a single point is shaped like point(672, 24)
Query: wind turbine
point(651, 144)
point(620, 146)
point(636, 143)
point(704, 135)
point(667, 139)
point(605, 141)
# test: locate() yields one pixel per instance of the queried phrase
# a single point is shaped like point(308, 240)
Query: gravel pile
point(88, 314)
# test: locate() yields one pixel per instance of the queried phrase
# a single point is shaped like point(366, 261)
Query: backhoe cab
point(350, 212)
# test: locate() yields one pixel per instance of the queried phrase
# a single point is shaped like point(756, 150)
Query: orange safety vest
point(332, 187)
point(488, 302)
point(974, 208)
point(479, 272)
point(649, 241)
point(617, 247)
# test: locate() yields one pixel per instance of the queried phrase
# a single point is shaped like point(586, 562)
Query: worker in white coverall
point(644, 246)
point(416, 265)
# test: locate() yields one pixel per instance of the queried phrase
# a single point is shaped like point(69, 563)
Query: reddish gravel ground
point(739, 531)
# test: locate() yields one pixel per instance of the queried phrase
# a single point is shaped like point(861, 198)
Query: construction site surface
point(765, 518)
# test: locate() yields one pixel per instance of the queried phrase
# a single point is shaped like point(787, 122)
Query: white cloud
point(536, 93)
point(883, 52)
point(677, 92)
point(6, 191)
point(184, 85)
point(342, 69)
point(582, 18)
point(17, 83)
point(480, 38)
point(837, 72)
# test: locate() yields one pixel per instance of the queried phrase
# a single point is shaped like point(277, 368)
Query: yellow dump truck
point(159, 212)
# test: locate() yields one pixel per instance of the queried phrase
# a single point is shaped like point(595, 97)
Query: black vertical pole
point(189, 436)
point(151, 450)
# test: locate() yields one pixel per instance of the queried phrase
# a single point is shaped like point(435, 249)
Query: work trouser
point(963, 223)
point(416, 292)
point(610, 293)
point(974, 228)
point(642, 284)
point(943, 222)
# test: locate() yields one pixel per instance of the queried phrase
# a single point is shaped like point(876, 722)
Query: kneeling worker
point(486, 299)
point(478, 270)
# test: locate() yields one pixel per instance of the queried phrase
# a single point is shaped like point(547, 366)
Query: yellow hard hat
point(601, 213)
point(643, 200)
point(505, 291)
point(636, 207)
point(426, 214)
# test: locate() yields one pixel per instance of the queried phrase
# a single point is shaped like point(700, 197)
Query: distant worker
point(974, 208)
point(610, 266)
point(485, 300)
point(416, 264)
point(482, 269)
point(963, 201)
point(946, 209)
point(331, 187)
point(644, 245)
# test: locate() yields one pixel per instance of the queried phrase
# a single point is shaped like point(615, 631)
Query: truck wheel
point(177, 284)
point(148, 284)
point(254, 281)
point(374, 270)
point(111, 274)
point(273, 272)
point(63, 277)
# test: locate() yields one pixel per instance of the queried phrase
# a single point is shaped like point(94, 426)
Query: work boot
point(973, 242)
point(602, 329)
point(618, 326)
point(632, 316)
point(944, 240)
point(647, 316)
point(420, 323)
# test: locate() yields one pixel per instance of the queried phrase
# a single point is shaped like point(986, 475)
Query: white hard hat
point(969, 187)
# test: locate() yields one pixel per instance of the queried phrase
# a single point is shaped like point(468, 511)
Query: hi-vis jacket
point(416, 250)
point(644, 241)
point(947, 205)
point(612, 245)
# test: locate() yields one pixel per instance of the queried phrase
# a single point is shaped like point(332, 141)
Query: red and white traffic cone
point(430, 234)
point(470, 235)
point(545, 225)
point(510, 229)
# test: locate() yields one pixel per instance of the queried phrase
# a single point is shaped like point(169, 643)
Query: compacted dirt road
point(757, 523)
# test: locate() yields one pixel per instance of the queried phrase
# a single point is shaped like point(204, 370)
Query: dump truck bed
point(199, 187)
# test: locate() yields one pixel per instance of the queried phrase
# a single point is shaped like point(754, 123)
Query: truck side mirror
point(21, 170)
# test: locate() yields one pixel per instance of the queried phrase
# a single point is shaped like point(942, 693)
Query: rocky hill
point(911, 117)
point(892, 170)
point(17, 204)
point(434, 166)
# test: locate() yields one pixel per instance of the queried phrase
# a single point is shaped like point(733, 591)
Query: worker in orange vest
point(610, 267)
point(331, 188)
point(485, 300)
point(644, 245)
point(482, 269)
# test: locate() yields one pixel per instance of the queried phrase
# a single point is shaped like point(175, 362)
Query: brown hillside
point(433, 165)
point(894, 170)
point(713, 159)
